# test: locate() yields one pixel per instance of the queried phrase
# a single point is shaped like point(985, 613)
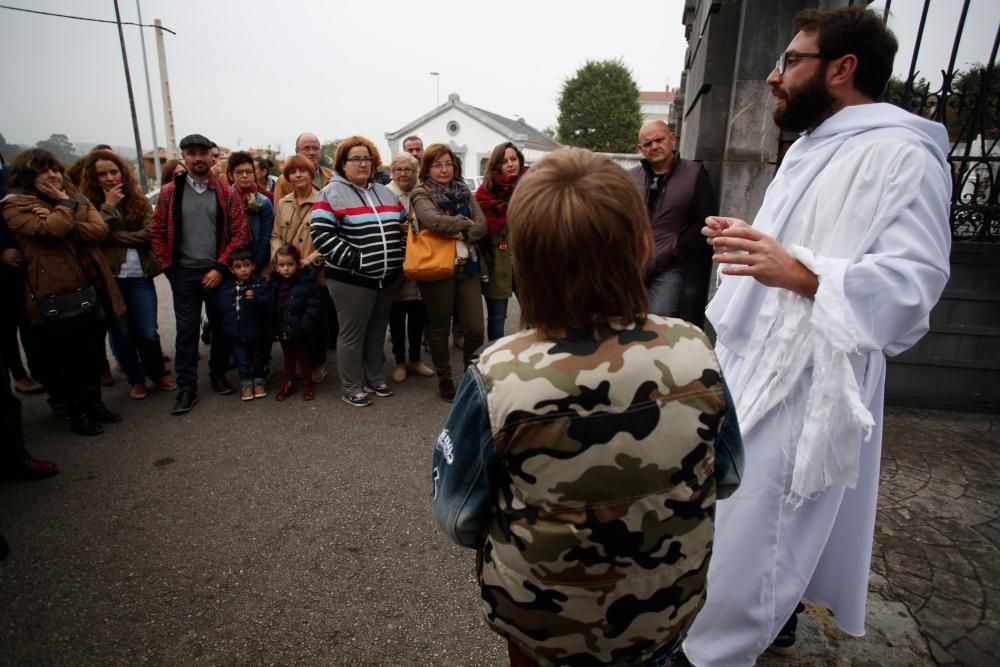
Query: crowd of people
point(594, 459)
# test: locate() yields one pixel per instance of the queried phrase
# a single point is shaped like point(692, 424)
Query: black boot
point(98, 411)
point(81, 421)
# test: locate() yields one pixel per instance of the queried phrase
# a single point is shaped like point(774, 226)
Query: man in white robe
point(844, 261)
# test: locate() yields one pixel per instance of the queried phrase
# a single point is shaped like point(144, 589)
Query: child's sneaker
point(259, 390)
point(246, 392)
point(357, 400)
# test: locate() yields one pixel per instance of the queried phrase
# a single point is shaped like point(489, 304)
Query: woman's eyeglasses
point(359, 160)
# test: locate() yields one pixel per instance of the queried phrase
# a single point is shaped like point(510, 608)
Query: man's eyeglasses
point(442, 165)
point(243, 172)
point(359, 160)
point(782, 63)
point(403, 170)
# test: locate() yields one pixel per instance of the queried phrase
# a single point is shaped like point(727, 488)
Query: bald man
point(679, 197)
point(308, 146)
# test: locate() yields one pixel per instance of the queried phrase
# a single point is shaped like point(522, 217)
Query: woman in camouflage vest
point(582, 456)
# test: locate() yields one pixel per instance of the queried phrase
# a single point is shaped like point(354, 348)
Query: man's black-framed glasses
point(782, 63)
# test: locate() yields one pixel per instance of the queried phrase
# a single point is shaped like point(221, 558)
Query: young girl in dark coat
point(297, 313)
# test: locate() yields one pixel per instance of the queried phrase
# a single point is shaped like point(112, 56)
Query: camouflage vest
point(600, 542)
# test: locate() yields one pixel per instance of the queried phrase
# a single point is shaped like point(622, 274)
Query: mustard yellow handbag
point(428, 256)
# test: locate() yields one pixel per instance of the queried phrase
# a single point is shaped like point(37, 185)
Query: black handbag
point(68, 306)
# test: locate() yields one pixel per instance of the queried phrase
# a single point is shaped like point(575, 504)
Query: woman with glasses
point(260, 212)
point(444, 205)
point(408, 316)
point(503, 170)
point(358, 226)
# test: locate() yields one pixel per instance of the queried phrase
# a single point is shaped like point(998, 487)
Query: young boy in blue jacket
point(246, 306)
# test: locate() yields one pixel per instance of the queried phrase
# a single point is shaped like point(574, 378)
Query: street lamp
point(437, 88)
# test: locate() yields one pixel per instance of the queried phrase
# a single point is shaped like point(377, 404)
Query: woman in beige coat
point(292, 216)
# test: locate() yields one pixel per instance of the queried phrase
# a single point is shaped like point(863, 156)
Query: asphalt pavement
point(302, 533)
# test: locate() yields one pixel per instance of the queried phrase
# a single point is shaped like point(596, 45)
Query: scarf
point(452, 198)
point(249, 200)
point(495, 201)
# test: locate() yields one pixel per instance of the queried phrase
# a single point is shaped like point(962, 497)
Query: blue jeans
point(665, 292)
point(189, 294)
point(249, 357)
point(496, 314)
point(135, 340)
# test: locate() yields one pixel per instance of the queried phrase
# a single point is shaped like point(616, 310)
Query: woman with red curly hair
point(108, 183)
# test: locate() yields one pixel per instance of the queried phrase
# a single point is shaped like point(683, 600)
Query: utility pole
point(149, 92)
point(131, 100)
point(168, 109)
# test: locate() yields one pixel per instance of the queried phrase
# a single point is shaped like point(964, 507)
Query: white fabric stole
point(840, 217)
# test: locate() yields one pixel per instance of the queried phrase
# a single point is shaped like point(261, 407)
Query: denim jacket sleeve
point(728, 451)
point(464, 467)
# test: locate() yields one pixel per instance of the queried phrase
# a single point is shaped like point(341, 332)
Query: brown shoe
point(421, 369)
point(447, 390)
point(28, 385)
point(399, 373)
point(246, 392)
point(259, 390)
point(137, 392)
point(166, 383)
point(318, 375)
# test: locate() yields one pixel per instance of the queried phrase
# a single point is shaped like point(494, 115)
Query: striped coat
point(359, 232)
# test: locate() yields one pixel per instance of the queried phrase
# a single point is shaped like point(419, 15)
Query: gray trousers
point(364, 315)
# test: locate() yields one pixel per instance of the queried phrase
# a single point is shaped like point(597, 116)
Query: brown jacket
point(51, 245)
point(124, 234)
point(283, 187)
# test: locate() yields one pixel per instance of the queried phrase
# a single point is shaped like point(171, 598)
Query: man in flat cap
point(198, 222)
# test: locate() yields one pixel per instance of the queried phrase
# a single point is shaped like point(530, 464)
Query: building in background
point(657, 104)
point(471, 133)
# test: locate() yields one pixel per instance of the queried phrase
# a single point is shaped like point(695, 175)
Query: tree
point(8, 150)
point(60, 146)
point(599, 108)
point(327, 150)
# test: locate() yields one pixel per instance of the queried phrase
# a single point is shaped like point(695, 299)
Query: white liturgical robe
point(863, 202)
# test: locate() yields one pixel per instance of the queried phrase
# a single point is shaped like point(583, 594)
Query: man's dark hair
point(236, 158)
point(239, 253)
point(264, 163)
point(412, 137)
point(858, 31)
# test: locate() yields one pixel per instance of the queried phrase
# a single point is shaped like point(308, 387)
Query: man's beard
point(808, 107)
point(200, 168)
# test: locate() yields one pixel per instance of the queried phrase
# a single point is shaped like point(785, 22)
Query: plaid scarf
point(248, 195)
point(452, 198)
point(495, 201)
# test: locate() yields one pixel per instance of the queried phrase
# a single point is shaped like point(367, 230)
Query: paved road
point(301, 533)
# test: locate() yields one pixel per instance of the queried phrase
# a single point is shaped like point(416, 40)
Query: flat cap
point(192, 140)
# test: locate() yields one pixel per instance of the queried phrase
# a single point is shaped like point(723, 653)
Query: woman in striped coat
point(357, 226)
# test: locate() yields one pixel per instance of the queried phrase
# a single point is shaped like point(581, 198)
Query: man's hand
point(761, 257)
point(715, 225)
point(114, 195)
point(211, 279)
point(12, 257)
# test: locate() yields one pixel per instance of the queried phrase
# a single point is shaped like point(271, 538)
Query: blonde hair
point(404, 159)
point(582, 236)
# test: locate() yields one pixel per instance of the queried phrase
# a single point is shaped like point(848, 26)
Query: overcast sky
point(251, 73)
